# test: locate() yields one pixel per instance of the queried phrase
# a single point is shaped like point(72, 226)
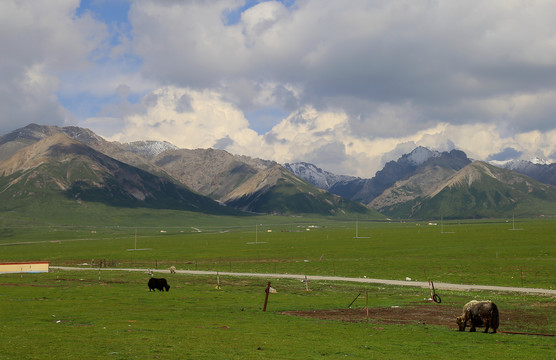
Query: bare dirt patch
point(413, 315)
point(525, 320)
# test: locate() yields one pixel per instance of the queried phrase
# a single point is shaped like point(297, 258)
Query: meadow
point(463, 252)
point(69, 314)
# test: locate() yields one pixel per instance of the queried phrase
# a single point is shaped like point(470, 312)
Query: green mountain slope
point(480, 190)
point(58, 170)
point(253, 185)
point(276, 190)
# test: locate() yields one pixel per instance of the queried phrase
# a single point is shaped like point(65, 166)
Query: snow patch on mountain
point(421, 154)
point(537, 168)
point(149, 149)
point(540, 161)
point(315, 175)
point(520, 164)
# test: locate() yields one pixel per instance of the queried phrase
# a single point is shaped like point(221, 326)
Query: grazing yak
point(479, 314)
point(159, 284)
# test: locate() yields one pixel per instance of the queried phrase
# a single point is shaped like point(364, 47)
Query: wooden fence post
point(367, 305)
point(266, 296)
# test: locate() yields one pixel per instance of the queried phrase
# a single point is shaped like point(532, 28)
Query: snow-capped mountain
point(315, 175)
point(421, 154)
point(537, 168)
point(540, 161)
point(366, 190)
point(327, 180)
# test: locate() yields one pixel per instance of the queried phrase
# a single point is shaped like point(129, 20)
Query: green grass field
point(73, 314)
point(466, 252)
point(63, 315)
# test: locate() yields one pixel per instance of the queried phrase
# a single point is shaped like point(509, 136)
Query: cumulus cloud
point(325, 138)
point(430, 58)
point(395, 67)
point(40, 41)
point(191, 119)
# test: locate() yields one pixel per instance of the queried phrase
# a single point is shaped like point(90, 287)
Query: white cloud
point(205, 122)
point(537, 143)
point(327, 140)
point(432, 55)
point(261, 20)
point(203, 119)
point(187, 43)
point(39, 41)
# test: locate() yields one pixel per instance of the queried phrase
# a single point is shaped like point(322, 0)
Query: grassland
point(74, 314)
point(466, 252)
point(64, 315)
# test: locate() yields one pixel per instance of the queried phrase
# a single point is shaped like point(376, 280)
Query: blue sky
point(107, 11)
point(114, 13)
point(344, 85)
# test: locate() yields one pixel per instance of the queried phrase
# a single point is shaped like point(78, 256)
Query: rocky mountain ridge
point(419, 161)
point(419, 184)
point(483, 190)
point(413, 185)
point(151, 174)
point(539, 169)
point(317, 176)
point(58, 166)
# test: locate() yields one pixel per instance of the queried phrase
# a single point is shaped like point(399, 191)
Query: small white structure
point(24, 267)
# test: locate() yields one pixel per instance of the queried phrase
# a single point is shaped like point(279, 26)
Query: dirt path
point(420, 284)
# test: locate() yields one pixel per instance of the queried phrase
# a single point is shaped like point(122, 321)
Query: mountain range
point(71, 165)
point(74, 166)
point(430, 184)
point(538, 169)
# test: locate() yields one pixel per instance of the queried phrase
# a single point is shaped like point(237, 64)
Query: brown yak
point(479, 314)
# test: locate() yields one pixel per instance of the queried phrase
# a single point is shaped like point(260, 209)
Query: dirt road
point(420, 284)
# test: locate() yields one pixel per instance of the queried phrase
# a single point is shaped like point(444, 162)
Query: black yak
point(479, 314)
point(159, 284)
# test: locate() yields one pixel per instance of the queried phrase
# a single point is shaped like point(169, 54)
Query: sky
point(345, 85)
